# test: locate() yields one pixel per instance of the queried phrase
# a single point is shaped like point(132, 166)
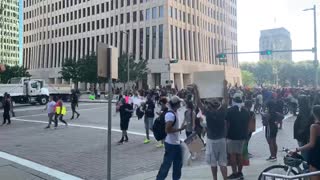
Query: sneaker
point(78, 116)
point(47, 127)
point(160, 145)
point(240, 174)
point(233, 176)
point(272, 159)
point(146, 141)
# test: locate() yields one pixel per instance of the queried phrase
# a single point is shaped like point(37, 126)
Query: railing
point(285, 177)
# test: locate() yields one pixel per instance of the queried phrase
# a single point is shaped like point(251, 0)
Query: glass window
point(160, 11)
point(141, 15)
point(160, 40)
point(141, 43)
point(154, 39)
point(147, 42)
point(154, 13)
point(128, 17)
point(147, 14)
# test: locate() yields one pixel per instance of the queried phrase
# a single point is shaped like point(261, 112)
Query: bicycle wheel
point(277, 169)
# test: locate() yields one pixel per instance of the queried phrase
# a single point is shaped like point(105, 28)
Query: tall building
point(192, 31)
point(9, 32)
point(276, 39)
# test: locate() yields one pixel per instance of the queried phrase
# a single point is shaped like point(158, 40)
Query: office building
point(276, 39)
point(192, 31)
point(9, 32)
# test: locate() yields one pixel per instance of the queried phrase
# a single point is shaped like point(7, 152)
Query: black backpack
point(159, 126)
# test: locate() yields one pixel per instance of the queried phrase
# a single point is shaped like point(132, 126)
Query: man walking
point(216, 147)
point(6, 110)
point(50, 109)
point(173, 151)
point(59, 114)
point(148, 117)
point(74, 104)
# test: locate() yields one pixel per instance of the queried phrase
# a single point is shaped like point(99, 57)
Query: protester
point(173, 151)
point(252, 121)
point(59, 113)
point(301, 127)
point(237, 120)
point(314, 144)
point(126, 111)
point(272, 130)
point(74, 104)
point(50, 109)
point(189, 119)
point(6, 110)
point(148, 117)
point(216, 147)
point(164, 109)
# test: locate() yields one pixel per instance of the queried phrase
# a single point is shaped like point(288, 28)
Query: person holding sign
point(216, 147)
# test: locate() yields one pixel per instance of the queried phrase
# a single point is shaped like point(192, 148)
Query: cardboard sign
point(210, 83)
point(194, 143)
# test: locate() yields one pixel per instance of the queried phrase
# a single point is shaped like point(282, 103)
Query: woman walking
point(6, 110)
point(59, 113)
point(126, 111)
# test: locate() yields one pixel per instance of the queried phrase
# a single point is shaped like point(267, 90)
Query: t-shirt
point(216, 128)
point(50, 107)
point(150, 106)
point(172, 138)
point(238, 123)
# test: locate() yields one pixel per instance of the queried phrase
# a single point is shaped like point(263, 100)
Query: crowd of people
point(229, 123)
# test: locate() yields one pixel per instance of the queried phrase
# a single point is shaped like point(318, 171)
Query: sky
point(256, 15)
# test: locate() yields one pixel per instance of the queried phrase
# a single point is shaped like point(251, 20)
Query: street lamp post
point(315, 49)
point(128, 67)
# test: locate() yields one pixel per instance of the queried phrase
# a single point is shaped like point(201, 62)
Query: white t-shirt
point(172, 138)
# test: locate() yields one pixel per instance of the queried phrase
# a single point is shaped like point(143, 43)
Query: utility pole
point(315, 49)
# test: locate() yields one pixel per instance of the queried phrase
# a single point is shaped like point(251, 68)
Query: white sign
point(210, 83)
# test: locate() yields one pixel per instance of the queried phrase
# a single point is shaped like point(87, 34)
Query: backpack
point(159, 126)
point(265, 119)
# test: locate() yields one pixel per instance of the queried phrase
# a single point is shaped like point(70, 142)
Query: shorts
point(216, 152)
point(148, 122)
point(124, 124)
point(271, 132)
point(235, 146)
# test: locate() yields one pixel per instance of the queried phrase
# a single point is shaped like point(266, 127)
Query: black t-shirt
point(149, 110)
point(237, 123)
point(124, 113)
point(216, 128)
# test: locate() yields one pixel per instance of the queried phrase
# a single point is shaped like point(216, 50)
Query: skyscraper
point(192, 31)
point(9, 32)
point(276, 39)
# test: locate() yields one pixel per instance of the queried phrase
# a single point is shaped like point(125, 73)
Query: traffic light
point(174, 61)
point(266, 52)
point(221, 55)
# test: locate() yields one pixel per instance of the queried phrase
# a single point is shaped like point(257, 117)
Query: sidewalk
point(258, 147)
point(13, 171)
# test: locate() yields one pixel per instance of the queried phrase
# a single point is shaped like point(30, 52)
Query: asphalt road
point(80, 148)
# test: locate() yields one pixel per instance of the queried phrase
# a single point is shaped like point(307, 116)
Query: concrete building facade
point(276, 39)
point(192, 31)
point(9, 32)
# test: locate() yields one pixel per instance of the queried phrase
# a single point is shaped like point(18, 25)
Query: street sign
point(266, 52)
point(107, 61)
point(221, 55)
point(169, 82)
point(174, 61)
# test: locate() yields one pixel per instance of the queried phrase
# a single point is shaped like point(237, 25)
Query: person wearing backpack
point(159, 124)
point(173, 150)
point(148, 117)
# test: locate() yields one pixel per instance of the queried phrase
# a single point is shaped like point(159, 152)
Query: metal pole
point(109, 127)
point(169, 68)
point(315, 45)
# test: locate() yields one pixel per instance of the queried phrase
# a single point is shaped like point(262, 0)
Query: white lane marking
point(42, 107)
point(261, 128)
point(38, 167)
point(84, 126)
point(33, 115)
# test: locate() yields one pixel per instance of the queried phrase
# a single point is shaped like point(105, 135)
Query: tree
point(88, 68)
point(70, 71)
point(12, 72)
point(247, 78)
point(138, 68)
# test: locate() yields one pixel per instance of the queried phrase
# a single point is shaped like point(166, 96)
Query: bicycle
point(293, 165)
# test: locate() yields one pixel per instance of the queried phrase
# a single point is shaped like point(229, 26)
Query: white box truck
point(32, 91)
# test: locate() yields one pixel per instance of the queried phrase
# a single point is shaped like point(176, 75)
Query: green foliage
point(70, 70)
point(247, 78)
point(286, 73)
point(88, 68)
point(138, 69)
point(13, 71)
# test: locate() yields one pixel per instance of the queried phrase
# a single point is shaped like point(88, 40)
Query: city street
point(80, 149)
